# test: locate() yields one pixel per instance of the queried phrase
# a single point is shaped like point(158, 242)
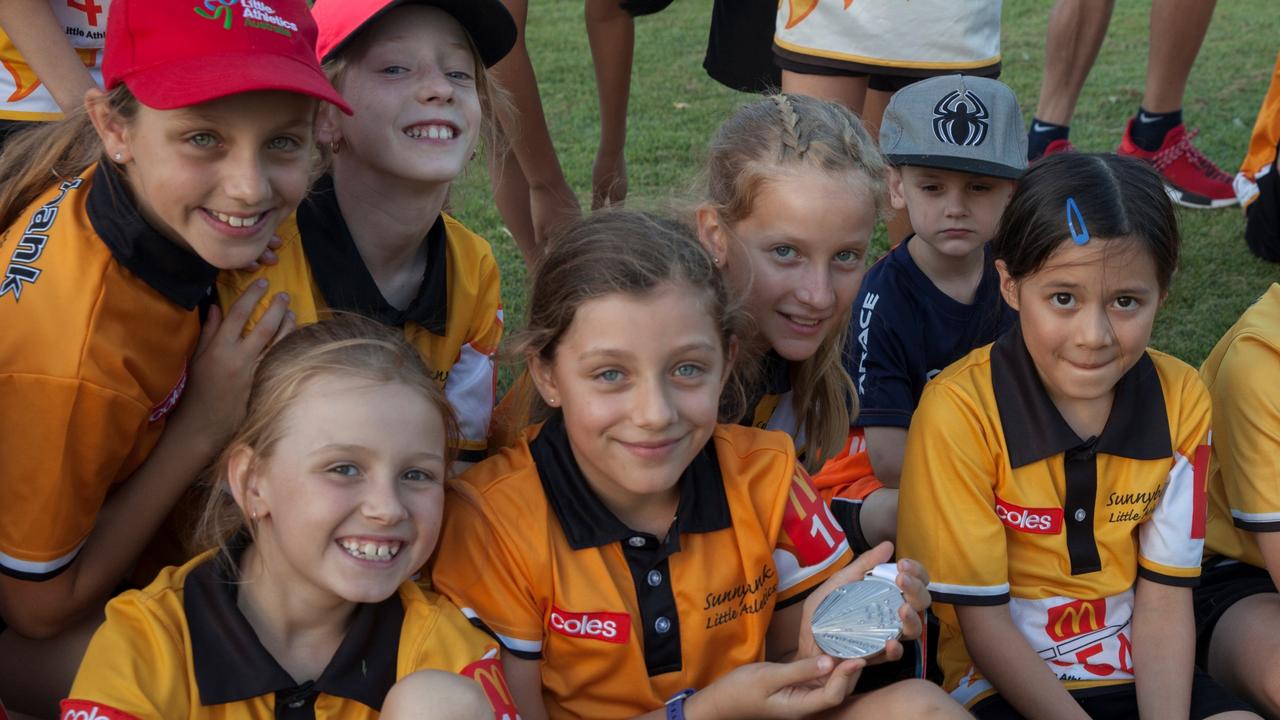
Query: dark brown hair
point(1117, 198)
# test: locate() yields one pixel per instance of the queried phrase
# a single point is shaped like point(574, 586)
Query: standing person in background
point(1257, 184)
point(51, 51)
point(859, 54)
point(118, 218)
point(529, 186)
point(1156, 132)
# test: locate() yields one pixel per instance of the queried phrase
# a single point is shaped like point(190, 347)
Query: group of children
point(731, 415)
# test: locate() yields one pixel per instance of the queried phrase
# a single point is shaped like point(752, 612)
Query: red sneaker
point(1058, 146)
point(1190, 178)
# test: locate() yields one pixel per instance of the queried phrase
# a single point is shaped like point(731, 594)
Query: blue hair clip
point(1075, 223)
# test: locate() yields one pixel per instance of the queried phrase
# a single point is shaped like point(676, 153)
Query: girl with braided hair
point(791, 192)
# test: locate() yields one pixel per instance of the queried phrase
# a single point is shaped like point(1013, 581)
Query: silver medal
point(856, 620)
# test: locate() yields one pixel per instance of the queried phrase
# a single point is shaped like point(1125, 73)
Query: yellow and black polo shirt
point(621, 620)
point(98, 317)
point(455, 321)
point(1244, 467)
point(180, 648)
point(1005, 504)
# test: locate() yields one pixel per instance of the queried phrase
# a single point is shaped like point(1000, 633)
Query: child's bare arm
point(38, 35)
point(1003, 656)
point(886, 446)
point(1163, 649)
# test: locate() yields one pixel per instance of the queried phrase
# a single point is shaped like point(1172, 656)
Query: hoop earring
point(335, 146)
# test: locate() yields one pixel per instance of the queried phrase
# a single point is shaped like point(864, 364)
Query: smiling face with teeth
point(218, 177)
point(349, 498)
point(799, 256)
point(412, 79)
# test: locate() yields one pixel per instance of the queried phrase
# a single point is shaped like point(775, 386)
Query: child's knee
point(436, 695)
point(921, 698)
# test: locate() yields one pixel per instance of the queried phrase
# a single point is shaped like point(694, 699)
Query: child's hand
point(780, 691)
point(221, 370)
point(912, 580)
point(268, 256)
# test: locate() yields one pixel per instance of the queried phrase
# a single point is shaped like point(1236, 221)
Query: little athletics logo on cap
point(960, 118)
point(256, 14)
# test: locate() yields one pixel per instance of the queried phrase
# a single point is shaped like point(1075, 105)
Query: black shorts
point(1223, 584)
point(887, 79)
point(738, 45)
point(1120, 702)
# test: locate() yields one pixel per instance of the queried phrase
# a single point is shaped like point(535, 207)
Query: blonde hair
point(346, 345)
point(50, 152)
point(628, 252)
point(758, 142)
point(494, 100)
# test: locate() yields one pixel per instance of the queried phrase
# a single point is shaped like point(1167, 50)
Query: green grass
point(1218, 278)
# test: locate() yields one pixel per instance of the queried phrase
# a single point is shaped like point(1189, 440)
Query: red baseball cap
point(176, 53)
point(487, 21)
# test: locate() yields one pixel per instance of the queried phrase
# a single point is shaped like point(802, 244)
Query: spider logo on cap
point(960, 118)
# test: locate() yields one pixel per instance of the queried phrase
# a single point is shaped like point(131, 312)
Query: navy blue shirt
point(904, 330)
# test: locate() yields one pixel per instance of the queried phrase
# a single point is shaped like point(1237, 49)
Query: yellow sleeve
point(946, 501)
point(1246, 438)
point(63, 443)
point(472, 384)
point(456, 646)
point(135, 667)
point(480, 569)
point(232, 284)
point(1171, 539)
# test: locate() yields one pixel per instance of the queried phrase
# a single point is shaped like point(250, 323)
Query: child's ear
point(244, 483)
point(540, 371)
point(713, 234)
point(328, 131)
point(897, 195)
point(112, 129)
point(1008, 286)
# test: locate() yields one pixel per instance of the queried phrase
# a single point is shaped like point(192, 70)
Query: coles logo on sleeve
point(608, 627)
point(1041, 521)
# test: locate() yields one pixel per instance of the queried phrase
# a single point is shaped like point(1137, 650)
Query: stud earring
point(715, 261)
point(553, 402)
point(254, 516)
point(118, 157)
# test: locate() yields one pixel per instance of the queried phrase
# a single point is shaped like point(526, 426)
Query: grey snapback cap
point(956, 122)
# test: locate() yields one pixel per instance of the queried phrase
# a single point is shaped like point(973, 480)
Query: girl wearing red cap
point(118, 220)
point(372, 237)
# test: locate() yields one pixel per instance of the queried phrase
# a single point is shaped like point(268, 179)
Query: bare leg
point(436, 695)
point(1245, 649)
point(1178, 28)
point(551, 202)
point(511, 194)
point(612, 34)
point(848, 91)
point(878, 517)
point(1076, 31)
point(35, 675)
point(904, 699)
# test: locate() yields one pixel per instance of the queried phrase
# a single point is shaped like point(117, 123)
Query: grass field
point(1218, 278)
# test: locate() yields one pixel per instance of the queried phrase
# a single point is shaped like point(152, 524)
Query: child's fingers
point(911, 624)
point(238, 314)
point(259, 338)
point(289, 325)
point(841, 681)
point(862, 565)
point(913, 581)
point(783, 675)
point(275, 243)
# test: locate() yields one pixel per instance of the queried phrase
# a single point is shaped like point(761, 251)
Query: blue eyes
point(688, 371)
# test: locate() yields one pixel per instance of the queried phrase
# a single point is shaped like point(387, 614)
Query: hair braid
point(790, 127)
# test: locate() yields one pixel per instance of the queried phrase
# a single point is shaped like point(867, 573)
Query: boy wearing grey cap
point(956, 145)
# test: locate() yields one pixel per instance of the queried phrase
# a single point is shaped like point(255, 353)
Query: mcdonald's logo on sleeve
point(488, 673)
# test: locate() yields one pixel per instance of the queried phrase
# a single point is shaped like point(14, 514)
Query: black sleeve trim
point(35, 577)
point(975, 600)
point(522, 654)
point(1258, 527)
point(1172, 580)
point(470, 456)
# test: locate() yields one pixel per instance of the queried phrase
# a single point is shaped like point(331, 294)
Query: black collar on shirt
point(231, 664)
point(343, 278)
point(1138, 427)
point(586, 521)
point(175, 272)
